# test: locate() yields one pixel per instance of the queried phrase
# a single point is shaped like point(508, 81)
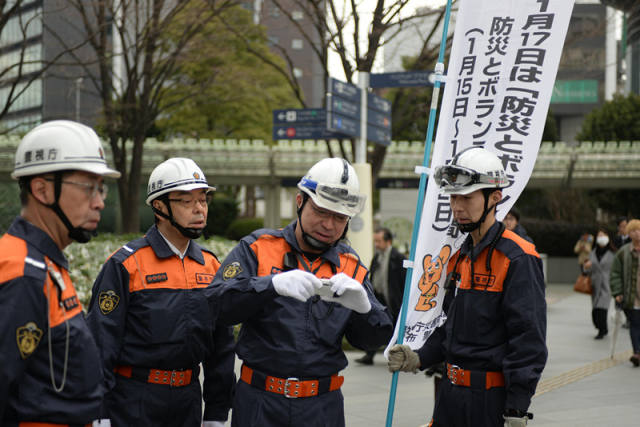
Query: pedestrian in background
point(512, 223)
point(599, 267)
point(151, 320)
point(625, 284)
point(293, 323)
point(583, 248)
point(50, 372)
point(387, 276)
point(622, 238)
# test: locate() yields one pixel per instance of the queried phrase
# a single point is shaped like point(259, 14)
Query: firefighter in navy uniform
point(493, 341)
point(292, 323)
point(152, 322)
point(50, 371)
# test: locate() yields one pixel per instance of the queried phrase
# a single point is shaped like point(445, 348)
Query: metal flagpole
point(439, 71)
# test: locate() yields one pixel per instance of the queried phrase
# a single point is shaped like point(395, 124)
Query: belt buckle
point(288, 383)
point(452, 373)
point(177, 382)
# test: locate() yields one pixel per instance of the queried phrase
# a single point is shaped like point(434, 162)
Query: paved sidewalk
point(578, 387)
point(581, 385)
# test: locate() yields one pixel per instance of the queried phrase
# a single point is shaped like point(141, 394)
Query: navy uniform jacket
point(30, 304)
point(148, 310)
point(499, 322)
point(282, 336)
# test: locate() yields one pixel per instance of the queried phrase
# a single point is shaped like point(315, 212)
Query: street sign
point(378, 119)
point(300, 115)
point(344, 90)
point(302, 131)
point(343, 125)
point(301, 123)
point(402, 79)
point(343, 108)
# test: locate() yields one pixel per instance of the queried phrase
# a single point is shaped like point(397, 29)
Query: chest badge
point(231, 270)
point(28, 337)
point(108, 301)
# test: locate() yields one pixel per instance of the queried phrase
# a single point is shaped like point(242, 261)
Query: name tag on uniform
point(155, 278)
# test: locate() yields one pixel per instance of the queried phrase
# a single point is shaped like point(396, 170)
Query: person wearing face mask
point(599, 267)
point(152, 322)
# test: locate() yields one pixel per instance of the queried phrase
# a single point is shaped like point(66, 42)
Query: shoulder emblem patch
point(108, 301)
point(28, 337)
point(231, 270)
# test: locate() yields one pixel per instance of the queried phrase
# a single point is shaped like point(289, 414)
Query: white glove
point(213, 424)
point(515, 421)
point(297, 284)
point(402, 358)
point(348, 292)
point(105, 422)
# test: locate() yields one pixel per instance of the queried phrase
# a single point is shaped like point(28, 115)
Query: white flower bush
point(85, 260)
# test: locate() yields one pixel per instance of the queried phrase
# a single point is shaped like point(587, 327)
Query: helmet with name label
point(175, 174)
point(61, 145)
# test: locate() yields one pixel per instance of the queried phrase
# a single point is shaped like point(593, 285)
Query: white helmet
point(176, 174)
point(60, 145)
point(333, 184)
point(470, 170)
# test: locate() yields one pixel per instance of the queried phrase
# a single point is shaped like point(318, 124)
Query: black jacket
point(395, 280)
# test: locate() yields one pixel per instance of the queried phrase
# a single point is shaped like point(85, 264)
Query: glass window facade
point(26, 25)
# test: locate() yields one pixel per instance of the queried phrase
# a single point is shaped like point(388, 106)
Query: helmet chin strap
point(79, 234)
point(308, 238)
point(188, 232)
point(472, 226)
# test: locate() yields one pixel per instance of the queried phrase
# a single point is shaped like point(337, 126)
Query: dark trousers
point(634, 329)
point(136, 403)
point(458, 406)
point(253, 407)
point(599, 318)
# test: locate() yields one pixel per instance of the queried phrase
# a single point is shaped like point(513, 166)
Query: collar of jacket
point(332, 254)
point(473, 251)
point(162, 250)
point(39, 239)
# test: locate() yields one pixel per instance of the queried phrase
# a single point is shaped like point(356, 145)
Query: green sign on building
point(575, 92)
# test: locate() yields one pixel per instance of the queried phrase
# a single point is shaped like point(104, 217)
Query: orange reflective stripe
point(528, 247)
point(13, 252)
point(270, 251)
point(147, 271)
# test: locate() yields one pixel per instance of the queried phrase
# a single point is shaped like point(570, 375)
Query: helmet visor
point(452, 177)
point(336, 197)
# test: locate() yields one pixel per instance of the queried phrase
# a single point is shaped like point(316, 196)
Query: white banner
point(503, 65)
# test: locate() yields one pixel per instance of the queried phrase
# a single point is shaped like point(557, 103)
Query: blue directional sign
point(302, 123)
point(343, 108)
point(402, 79)
point(300, 115)
point(302, 131)
point(378, 119)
